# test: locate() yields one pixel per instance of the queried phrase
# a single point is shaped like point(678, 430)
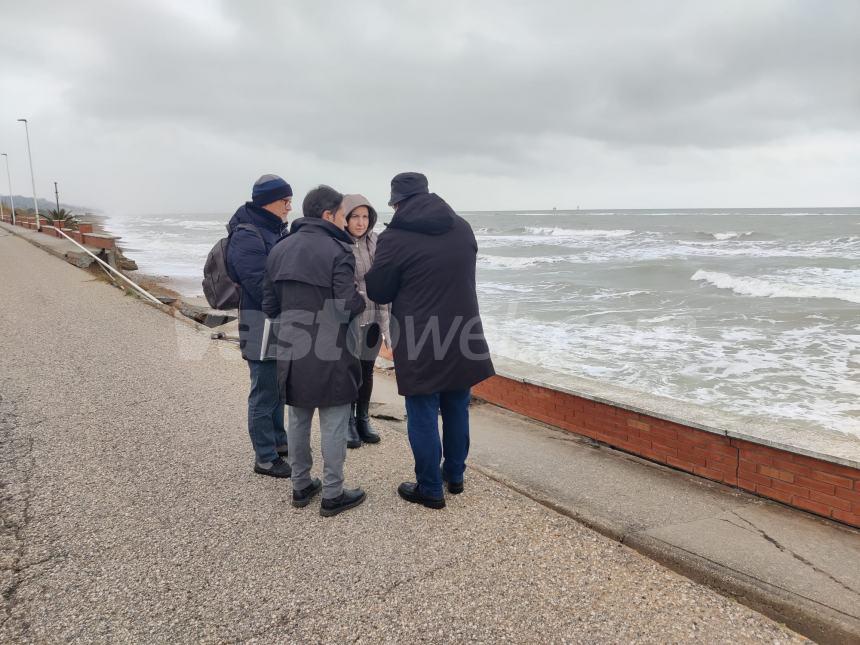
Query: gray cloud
point(480, 86)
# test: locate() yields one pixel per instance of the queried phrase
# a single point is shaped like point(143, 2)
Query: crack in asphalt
point(762, 533)
point(287, 623)
point(24, 459)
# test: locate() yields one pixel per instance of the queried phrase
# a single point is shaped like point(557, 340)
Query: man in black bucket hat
point(407, 184)
point(425, 266)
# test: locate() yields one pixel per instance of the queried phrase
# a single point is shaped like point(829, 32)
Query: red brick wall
point(80, 236)
point(811, 484)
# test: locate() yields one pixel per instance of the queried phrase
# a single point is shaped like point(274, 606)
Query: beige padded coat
point(365, 251)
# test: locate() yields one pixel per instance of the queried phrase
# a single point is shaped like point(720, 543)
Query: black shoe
point(346, 500)
point(352, 438)
point(302, 498)
point(455, 488)
point(362, 423)
point(279, 468)
point(409, 491)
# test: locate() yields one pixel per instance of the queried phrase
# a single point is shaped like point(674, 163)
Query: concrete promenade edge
point(796, 567)
point(130, 512)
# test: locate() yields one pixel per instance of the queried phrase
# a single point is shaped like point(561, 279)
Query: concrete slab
point(817, 561)
point(797, 567)
point(60, 247)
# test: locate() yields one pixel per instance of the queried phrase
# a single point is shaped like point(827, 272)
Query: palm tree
point(62, 215)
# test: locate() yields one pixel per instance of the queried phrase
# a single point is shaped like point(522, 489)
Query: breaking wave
point(776, 288)
point(504, 262)
point(576, 232)
point(727, 235)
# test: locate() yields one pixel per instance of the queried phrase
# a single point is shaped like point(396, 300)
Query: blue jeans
point(422, 426)
point(265, 411)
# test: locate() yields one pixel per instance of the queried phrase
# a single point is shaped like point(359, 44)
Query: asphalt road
point(129, 511)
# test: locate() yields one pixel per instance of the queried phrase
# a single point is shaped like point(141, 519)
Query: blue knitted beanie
point(270, 188)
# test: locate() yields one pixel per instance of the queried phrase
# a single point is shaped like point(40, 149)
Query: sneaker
point(346, 500)
point(302, 498)
point(410, 492)
point(276, 468)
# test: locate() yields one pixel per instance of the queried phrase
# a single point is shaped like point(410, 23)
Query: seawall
point(813, 471)
point(84, 234)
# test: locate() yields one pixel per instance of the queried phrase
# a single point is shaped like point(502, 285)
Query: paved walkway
point(130, 513)
point(797, 567)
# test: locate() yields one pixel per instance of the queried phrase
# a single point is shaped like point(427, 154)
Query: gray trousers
point(333, 424)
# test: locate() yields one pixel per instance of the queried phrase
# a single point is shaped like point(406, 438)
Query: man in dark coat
point(254, 229)
point(425, 266)
point(310, 289)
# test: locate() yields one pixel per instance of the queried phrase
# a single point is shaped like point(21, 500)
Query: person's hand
point(385, 351)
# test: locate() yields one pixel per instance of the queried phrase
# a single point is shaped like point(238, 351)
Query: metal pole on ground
point(107, 266)
point(32, 176)
point(9, 179)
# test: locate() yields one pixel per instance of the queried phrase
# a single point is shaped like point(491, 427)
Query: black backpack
point(221, 291)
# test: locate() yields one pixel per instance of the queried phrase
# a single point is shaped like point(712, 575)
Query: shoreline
point(790, 467)
point(708, 418)
point(159, 285)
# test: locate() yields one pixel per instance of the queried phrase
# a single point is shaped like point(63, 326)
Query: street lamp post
point(32, 177)
point(9, 179)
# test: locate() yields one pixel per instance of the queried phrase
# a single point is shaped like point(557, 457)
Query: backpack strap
point(247, 227)
point(251, 227)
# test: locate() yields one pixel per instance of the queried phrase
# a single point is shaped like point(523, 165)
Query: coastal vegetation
point(63, 216)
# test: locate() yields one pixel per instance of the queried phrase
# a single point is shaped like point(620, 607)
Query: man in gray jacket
point(309, 288)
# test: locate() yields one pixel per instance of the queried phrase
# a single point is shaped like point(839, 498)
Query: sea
point(752, 311)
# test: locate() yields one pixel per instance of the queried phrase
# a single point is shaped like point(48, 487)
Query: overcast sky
point(159, 106)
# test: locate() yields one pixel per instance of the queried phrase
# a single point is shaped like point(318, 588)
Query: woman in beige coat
point(373, 322)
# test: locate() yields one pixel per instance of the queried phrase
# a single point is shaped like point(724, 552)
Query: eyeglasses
point(287, 202)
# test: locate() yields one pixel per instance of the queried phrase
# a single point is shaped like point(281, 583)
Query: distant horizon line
point(548, 211)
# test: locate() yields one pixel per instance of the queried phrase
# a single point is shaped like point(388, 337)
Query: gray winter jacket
point(309, 288)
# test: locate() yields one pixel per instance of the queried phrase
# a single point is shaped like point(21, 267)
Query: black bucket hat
point(407, 184)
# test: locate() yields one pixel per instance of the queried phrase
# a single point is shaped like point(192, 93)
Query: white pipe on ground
point(135, 286)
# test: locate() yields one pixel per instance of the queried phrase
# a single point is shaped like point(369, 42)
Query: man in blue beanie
point(254, 229)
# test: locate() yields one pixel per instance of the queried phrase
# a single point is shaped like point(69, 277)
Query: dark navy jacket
point(246, 262)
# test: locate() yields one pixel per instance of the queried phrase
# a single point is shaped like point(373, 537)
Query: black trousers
point(366, 388)
point(370, 341)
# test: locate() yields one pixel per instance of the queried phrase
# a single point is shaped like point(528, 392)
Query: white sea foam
point(502, 287)
point(505, 262)
point(744, 369)
point(555, 231)
point(204, 225)
point(775, 287)
point(728, 235)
